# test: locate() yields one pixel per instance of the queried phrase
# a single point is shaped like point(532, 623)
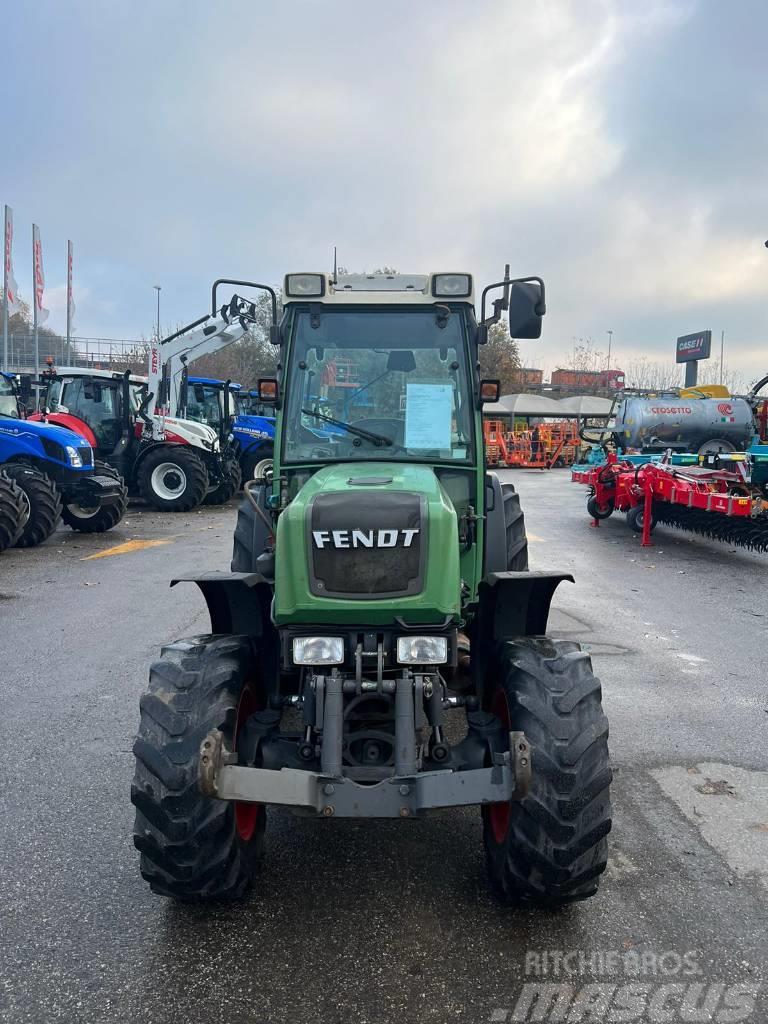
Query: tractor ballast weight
point(379, 587)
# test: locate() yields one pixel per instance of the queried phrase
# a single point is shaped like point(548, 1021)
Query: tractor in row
point(49, 474)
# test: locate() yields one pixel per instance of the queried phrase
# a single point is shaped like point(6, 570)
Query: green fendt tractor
point(379, 648)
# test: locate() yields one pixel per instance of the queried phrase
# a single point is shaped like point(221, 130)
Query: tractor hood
point(366, 543)
point(190, 431)
point(257, 427)
point(38, 428)
point(40, 440)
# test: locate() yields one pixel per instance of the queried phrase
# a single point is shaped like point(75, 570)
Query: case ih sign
point(694, 346)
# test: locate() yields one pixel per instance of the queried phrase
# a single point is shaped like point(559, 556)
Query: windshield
point(386, 384)
point(205, 404)
point(250, 405)
point(7, 399)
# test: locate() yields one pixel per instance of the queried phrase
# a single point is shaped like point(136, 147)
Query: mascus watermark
point(640, 989)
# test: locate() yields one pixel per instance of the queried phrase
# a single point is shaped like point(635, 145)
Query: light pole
point(610, 339)
point(157, 288)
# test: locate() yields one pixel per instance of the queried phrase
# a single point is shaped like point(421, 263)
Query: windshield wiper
point(368, 434)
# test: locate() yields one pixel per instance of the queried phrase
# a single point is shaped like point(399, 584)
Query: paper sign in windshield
point(428, 415)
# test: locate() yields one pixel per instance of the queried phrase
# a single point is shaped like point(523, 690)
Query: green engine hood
point(363, 543)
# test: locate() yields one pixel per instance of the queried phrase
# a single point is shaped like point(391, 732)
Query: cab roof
point(214, 382)
point(380, 289)
point(89, 371)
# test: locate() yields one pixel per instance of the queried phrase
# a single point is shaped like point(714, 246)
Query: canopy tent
point(539, 405)
point(586, 405)
point(524, 405)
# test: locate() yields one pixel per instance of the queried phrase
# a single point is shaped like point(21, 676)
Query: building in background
point(609, 380)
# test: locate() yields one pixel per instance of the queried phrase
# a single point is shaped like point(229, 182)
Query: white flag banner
point(10, 280)
point(70, 297)
point(37, 249)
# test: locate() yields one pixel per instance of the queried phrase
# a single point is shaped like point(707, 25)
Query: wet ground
point(378, 922)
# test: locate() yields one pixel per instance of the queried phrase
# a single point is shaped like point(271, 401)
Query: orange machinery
point(544, 446)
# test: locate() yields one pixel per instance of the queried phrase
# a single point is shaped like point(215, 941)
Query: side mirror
point(268, 392)
point(490, 391)
point(526, 308)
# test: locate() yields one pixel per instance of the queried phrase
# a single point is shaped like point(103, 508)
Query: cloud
point(613, 147)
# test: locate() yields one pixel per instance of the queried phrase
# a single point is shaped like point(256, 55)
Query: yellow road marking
point(535, 539)
point(126, 548)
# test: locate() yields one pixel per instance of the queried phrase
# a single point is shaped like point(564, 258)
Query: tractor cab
point(101, 401)
point(248, 403)
point(207, 401)
point(248, 436)
point(8, 401)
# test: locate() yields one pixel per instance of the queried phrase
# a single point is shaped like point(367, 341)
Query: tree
point(500, 358)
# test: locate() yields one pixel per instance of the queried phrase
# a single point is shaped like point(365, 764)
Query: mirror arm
point(502, 304)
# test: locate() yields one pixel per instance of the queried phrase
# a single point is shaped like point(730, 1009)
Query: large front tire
point(14, 511)
point(551, 848)
point(229, 486)
point(194, 847)
point(251, 532)
point(172, 478)
point(103, 517)
point(44, 503)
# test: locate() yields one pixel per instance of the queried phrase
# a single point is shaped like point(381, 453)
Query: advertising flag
point(12, 288)
point(70, 297)
point(41, 314)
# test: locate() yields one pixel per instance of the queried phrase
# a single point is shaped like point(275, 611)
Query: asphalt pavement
point(368, 922)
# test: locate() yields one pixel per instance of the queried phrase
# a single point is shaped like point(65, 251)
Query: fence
point(97, 353)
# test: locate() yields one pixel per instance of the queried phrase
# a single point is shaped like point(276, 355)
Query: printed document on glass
point(428, 416)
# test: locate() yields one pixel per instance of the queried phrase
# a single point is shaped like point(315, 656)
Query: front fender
point(238, 602)
point(510, 605)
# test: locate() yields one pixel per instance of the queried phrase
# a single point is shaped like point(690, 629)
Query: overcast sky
point(616, 149)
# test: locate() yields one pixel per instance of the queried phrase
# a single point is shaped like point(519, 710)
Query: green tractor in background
point(379, 648)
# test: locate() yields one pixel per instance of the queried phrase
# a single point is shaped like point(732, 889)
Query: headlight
point(422, 650)
point(318, 650)
point(452, 286)
point(301, 286)
point(74, 456)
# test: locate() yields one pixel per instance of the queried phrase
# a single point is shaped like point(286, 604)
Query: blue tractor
point(49, 473)
point(231, 410)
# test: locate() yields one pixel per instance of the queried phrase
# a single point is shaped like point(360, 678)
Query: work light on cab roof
point(387, 287)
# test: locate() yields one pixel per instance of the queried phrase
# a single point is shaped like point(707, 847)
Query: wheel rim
point(262, 468)
point(499, 814)
point(169, 481)
point(246, 814)
point(82, 511)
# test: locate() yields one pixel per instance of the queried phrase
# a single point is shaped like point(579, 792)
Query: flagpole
point(69, 303)
point(34, 303)
point(5, 292)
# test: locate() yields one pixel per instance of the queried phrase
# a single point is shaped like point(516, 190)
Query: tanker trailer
point(684, 424)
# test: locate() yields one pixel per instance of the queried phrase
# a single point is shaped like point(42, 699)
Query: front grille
point(366, 544)
point(86, 455)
